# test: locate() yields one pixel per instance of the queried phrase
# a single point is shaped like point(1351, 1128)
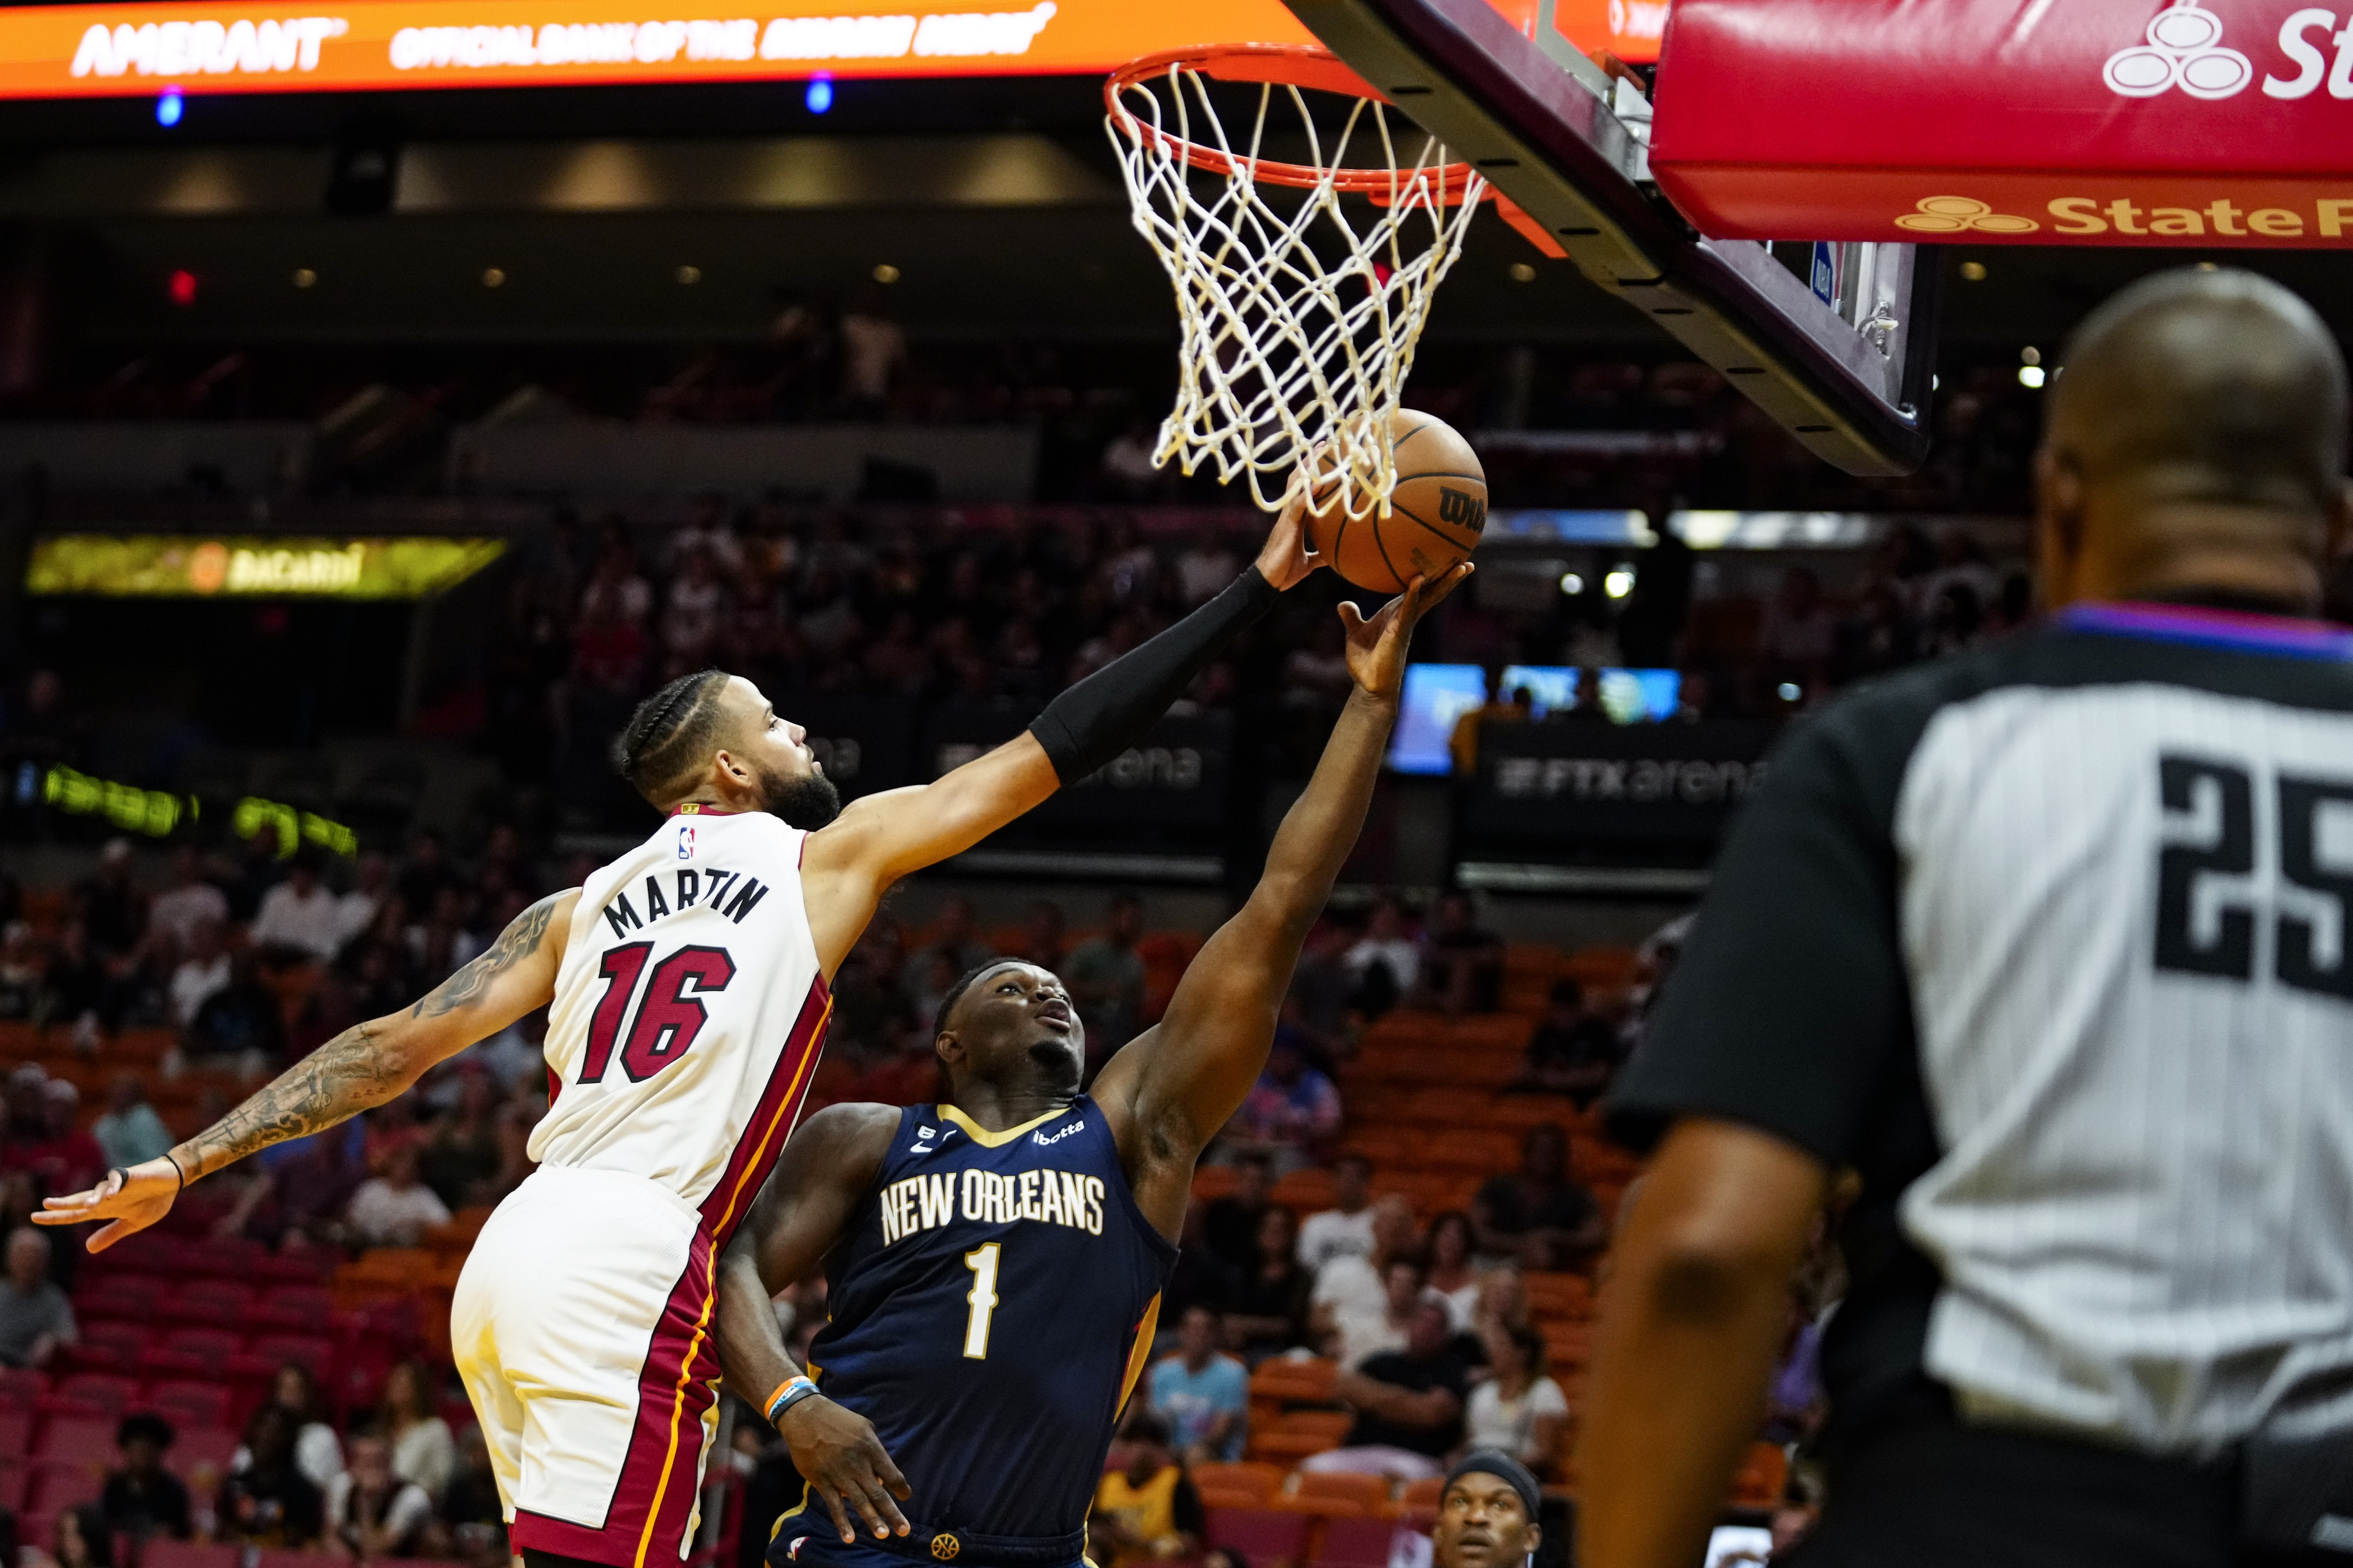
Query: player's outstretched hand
point(133, 1199)
point(1287, 557)
point(837, 1452)
point(1376, 647)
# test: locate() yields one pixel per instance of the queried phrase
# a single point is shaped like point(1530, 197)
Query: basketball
point(1436, 514)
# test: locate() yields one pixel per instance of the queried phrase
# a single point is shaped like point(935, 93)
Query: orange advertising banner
point(93, 51)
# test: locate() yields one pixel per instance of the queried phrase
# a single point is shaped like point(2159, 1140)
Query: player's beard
point(807, 802)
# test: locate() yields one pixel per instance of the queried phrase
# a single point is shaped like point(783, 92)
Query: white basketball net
point(1292, 357)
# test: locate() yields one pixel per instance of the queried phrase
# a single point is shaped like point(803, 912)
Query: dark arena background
point(371, 445)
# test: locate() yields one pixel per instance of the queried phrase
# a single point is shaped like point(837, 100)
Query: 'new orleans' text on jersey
point(990, 1312)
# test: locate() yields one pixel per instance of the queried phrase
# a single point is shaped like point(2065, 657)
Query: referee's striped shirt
point(2051, 944)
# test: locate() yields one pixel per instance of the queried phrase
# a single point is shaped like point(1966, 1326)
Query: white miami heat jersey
point(689, 1013)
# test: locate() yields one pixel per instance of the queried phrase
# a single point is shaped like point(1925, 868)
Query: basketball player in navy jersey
point(995, 1261)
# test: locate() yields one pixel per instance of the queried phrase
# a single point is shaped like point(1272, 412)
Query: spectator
point(1345, 1229)
point(78, 1540)
point(393, 1209)
point(318, 1452)
point(1799, 632)
point(1231, 1225)
point(462, 1155)
point(1207, 565)
point(1487, 1515)
point(142, 1498)
point(1266, 1313)
point(1202, 1392)
point(1321, 986)
point(471, 1516)
point(1145, 1508)
point(427, 869)
point(1041, 936)
point(1409, 1405)
point(1359, 1336)
point(1105, 975)
point(1291, 1112)
point(1454, 1274)
point(131, 1131)
point(202, 973)
point(1572, 1052)
point(37, 1322)
point(188, 902)
point(1352, 1287)
point(1200, 1275)
point(370, 1512)
point(109, 904)
point(23, 971)
point(1463, 971)
point(298, 917)
point(955, 937)
point(697, 607)
point(64, 1159)
point(1516, 707)
point(269, 1502)
point(358, 909)
point(1384, 963)
point(243, 1021)
point(1539, 1215)
point(422, 1449)
point(1518, 1411)
point(873, 348)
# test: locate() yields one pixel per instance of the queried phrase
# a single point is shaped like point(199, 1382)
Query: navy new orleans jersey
point(990, 1310)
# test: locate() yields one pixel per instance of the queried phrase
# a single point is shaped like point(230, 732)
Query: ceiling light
point(886, 273)
point(2031, 375)
point(1973, 271)
point(1619, 583)
point(304, 277)
point(1524, 272)
point(689, 275)
point(494, 277)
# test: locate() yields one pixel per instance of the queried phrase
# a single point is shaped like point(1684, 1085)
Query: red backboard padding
point(1973, 122)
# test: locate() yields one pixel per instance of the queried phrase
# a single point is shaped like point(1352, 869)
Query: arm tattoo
point(342, 1078)
point(352, 1073)
point(468, 984)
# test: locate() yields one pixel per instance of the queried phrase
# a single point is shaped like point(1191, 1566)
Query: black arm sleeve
point(1109, 711)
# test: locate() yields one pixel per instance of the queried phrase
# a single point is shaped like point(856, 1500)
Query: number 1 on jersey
point(981, 1261)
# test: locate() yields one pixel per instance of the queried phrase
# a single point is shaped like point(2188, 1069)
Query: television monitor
point(1436, 695)
point(1628, 696)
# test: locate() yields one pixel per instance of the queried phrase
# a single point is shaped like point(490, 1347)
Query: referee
point(2052, 944)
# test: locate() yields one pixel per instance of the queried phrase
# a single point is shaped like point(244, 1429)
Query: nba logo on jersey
point(686, 841)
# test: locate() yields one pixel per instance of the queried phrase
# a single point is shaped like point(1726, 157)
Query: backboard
point(1840, 358)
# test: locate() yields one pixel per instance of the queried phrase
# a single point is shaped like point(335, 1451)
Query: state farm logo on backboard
point(2184, 50)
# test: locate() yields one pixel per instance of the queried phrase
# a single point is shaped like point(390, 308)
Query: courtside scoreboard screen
point(195, 46)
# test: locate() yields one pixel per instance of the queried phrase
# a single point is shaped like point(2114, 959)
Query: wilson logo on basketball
point(1461, 507)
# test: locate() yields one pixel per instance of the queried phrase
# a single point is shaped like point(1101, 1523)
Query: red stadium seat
point(314, 1351)
point(300, 1266)
point(1356, 1544)
point(186, 1354)
point(1266, 1538)
point(131, 1297)
point(293, 1308)
point(59, 1484)
point(190, 1403)
point(15, 1431)
point(234, 1257)
point(21, 1387)
point(201, 1456)
point(221, 1303)
point(109, 1345)
point(83, 1438)
point(12, 1479)
point(96, 1392)
point(165, 1553)
point(270, 1559)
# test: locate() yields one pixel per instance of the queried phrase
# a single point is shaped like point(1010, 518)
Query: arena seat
point(1250, 1483)
point(1306, 1190)
point(95, 1393)
point(192, 1352)
point(13, 1479)
point(165, 1552)
point(189, 1404)
point(108, 1345)
point(215, 1301)
point(1335, 1495)
point(1557, 1295)
point(21, 1387)
point(229, 1258)
point(15, 1431)
point(1265, 1538)
point(1306, 1380)
point(76, 1437)
point(1419, 1500)
point(314, 1351)
point(1297, 1434)
point(1356, 1542)
point(270, 1558)
point(299, 1308)
point(201, 1456)
point(63, 1483)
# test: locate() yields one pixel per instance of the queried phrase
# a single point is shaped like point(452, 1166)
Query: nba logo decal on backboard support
point(686, 841)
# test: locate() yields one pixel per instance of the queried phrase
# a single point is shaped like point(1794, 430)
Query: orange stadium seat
point(1305, 1380)
point(1306, 1190)
point(1242, 1485)
point(1420, 1499)
point(1466, 1149)
point(1602, 968)
point(1292, 1437)
point(1337, 1496)
point(1557, 1295)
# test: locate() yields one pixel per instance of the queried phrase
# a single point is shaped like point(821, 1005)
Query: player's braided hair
point(668, 735)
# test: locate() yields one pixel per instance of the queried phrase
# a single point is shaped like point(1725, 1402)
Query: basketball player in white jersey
point(687, 988)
